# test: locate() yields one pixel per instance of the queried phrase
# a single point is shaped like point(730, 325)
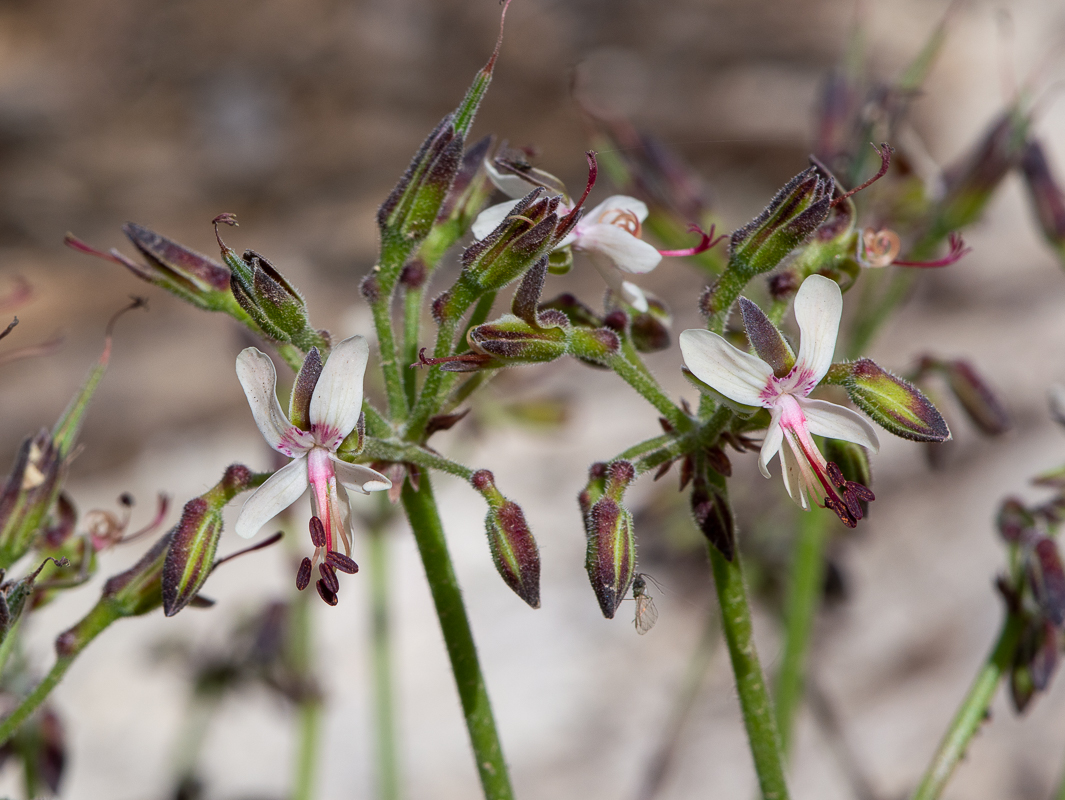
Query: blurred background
point(299, 118)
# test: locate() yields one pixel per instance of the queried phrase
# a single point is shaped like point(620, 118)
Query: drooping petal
point(818, 307)
point(510, 185)
point(836, 422)
point(281, 490)
point(617, 202)
point(359, 478)
point(337, 399)
point(792, 471)
point(491, 218)
point(621, 247)
point(737, 375)
point(257, 375)
point(774, 436)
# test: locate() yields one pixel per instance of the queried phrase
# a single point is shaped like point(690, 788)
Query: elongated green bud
point(514, 550)
point(527, 235)
point(611, 556)
point(896, 405)
point(513, 341)
point(193, 542)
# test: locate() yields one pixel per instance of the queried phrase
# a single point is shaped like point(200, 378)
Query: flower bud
point(981, 404)
point(594, 345)
point(29, 494)
point(194, 278)
point(527, 235)
point(713, 514)
point(513, 341)
point(594, 489)
point(790, 219)
point(513, 547)
point(1033, 663)
point(896, 405)
point(611, 556)
point(138, 590)
point(410, 210)
point(270, 300)
point(766, 339)
point(650, 329)
point(1014, 521)
point(1046, 576)
point(1046, 195)
point(193, 542)
point(970, 183)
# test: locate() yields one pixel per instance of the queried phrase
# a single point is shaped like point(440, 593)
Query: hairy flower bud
point(513, 341)
point(1046, 576)
point(412, 207)
point(611, 555)
point(194, 541)
point(896, 405)
point(650, 329)
point(713, 514)
point(514, 550)
point(527, 235)
point(790, 219)
point(1046, 195)
point(970, 182)
point(981, 404)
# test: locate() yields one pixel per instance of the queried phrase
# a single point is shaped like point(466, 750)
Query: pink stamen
point(322, 478)
point(707, 242)
point(957, 251)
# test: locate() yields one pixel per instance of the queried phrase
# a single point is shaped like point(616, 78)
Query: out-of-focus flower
point(325, 408)
point(782, 384)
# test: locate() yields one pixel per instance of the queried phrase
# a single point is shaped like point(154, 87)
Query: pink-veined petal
point(491, 218)
point(792, 472)
point(836, 422)
point(337, 399)
point(359, 478)
point(619, 202)
point(818, 307)
point(621, 247)
point(281, 490)
point(257, 375)
point(737, 375)
point(774, 436)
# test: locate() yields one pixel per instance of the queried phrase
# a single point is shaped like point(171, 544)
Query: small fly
point(646, 613)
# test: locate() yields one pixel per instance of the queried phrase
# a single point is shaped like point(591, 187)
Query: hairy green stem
point(643, 382)
point(412, 323)
point(386, 342)
point(384, 705)
point(973, 711)
point(7, 646)
point(803, 600)
point(757, 708)
point(91, 626)
point(381, 450)
point(309, 708)
point(310, 727)
point(455, 625)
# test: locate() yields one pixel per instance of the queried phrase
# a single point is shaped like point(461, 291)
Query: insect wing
point(646, 613)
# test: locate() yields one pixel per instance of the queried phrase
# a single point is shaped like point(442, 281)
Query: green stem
point(640, 379)
point(383, 699)
point(310, 726)
point(412, 322)
point(803, 600)
point(101, 615)
point(386, 341)
point(291, 355)
point(750, 684)
point(1060, 794)
point(447, 597)
point(381, 450)
point(7, 646)
point(973, 711)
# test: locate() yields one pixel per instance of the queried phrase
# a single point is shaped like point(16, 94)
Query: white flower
point(749, 380)
point(609, 234)
point(333, 412)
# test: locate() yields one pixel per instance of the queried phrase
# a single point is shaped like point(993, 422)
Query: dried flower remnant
point(325, 408)
point(782, 385)
point(881, 248)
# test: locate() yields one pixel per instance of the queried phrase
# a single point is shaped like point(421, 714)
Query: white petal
point(508, 184)
point(257, 375)
point(620, 202)
point(774, 436)
point(793, 480)
point(281, 490)
point(737, 375)
point(836, 422)
point(818, 307)
point(359, 478)
point(634, 296)
point(337, 399)
point(491, 218)
point(621, 247)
